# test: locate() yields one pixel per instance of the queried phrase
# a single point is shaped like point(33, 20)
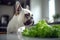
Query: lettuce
point(42, 30)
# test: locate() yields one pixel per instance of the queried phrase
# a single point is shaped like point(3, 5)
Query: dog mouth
point(28, 22)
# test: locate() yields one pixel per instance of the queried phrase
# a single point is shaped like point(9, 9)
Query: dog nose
point(31, 17)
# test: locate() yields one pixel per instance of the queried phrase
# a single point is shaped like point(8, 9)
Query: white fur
point(17, 21)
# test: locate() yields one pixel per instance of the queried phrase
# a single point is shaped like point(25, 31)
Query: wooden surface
point(3, 32)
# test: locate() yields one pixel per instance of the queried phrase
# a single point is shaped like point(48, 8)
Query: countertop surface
point(8, 37)
point(15, 37)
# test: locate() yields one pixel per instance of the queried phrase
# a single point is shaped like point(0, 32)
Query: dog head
point(24, 14)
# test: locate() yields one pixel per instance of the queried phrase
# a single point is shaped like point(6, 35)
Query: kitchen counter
point(15, 37)
point(54, 23)
point(8, 37)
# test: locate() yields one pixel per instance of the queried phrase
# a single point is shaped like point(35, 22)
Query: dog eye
point(27, 15)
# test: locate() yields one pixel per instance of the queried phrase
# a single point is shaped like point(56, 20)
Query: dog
point(22, 17)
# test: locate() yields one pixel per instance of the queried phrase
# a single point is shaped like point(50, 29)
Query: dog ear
point(27, 7)
point(18, 7)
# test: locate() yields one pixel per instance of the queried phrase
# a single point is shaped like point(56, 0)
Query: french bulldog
point(22, 17)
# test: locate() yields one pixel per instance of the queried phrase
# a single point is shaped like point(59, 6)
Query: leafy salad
point(42, 30)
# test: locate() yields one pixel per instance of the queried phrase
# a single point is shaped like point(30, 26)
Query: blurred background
point(41, 9)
